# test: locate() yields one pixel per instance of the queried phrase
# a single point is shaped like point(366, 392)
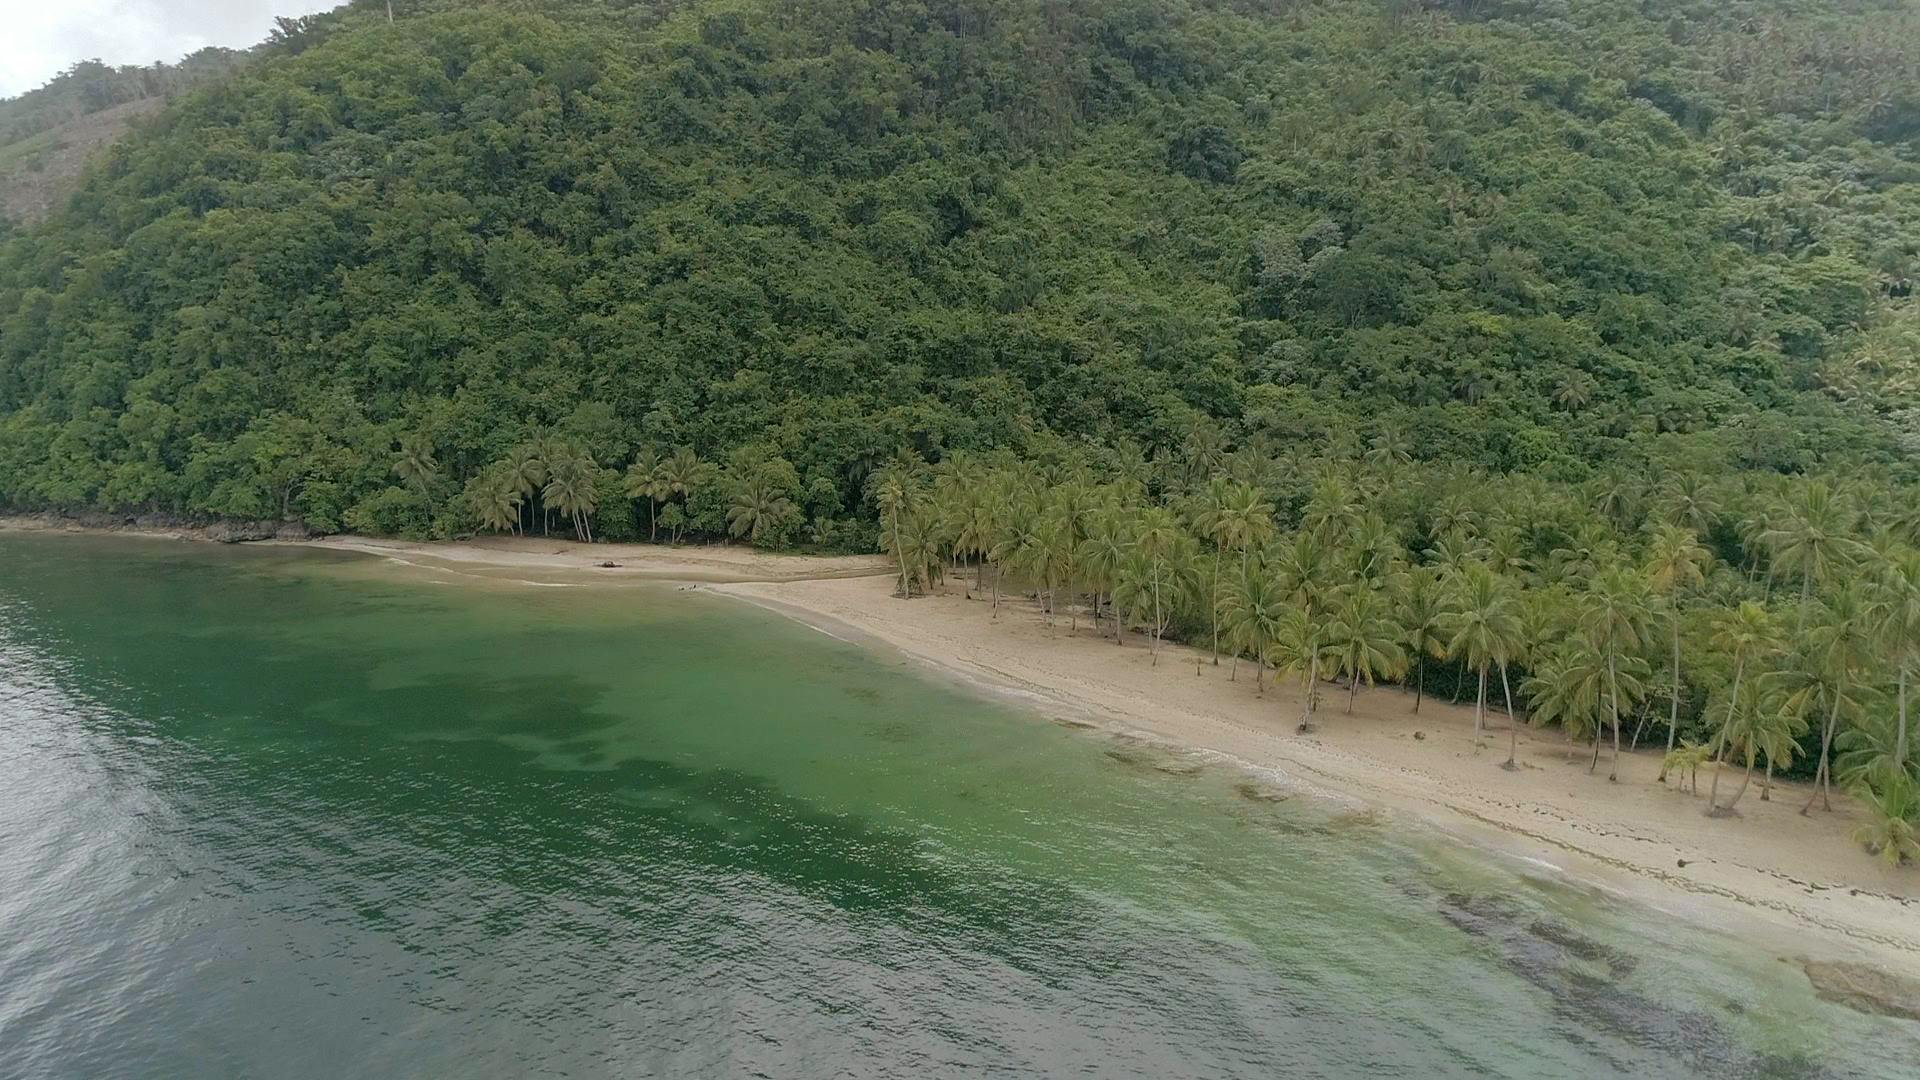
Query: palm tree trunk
point(1419, 680)
point(1673, 714)
point(1719, 752)
point(1731, 803)
point(1613, 692)
point(1823, 776)
point(653, 521)
point(1353, 688)
point(1480, 706)
point(1513, 723)
point(1900, 741)
point(1313, 683)
point(1766, 782)
point(1154, 648)
point(1213, 607)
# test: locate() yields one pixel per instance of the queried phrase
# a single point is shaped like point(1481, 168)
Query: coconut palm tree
point(1297, 649)
point(759, 508)
point(572, 489)
point(1689, 501)
point(1363, 640)
point(683, 474)
point(1614, 616)
point(1422, 611)
point(894, 491)
point(1254, 605)
point(1567, 685)
point(1746, 634)
point(646, 479)
point(1236, 518)
point(415, 466)
point(495, 502)
point(1105, 551)
point(1482, 627)
point(1676, 564)
point(1892, 828)
point(1812, 539)
point(1760, 722)
point(1896, 609)
point(527, 473)
point(1826, 678)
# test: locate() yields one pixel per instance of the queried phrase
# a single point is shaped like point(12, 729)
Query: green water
point(280, 814)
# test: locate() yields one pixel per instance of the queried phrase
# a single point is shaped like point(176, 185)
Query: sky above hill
point(44, 37)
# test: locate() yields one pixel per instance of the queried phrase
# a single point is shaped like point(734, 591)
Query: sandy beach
point(1799, 881)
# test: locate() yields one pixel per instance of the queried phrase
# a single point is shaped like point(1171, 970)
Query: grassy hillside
point(1561, 239)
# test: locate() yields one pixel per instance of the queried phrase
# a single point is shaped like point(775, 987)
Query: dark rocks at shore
point(1863, 988)
point(218, 531)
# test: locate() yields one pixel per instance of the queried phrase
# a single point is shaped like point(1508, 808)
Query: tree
point(759, 511)
point(1745, 634)
point(1897, 609)
point(1676, 565)
point(572, 489)
point(1103, 554)
point(415, 466)
point(1811, 540)
point(1614, 617)
point(1297, 650)
point(1482, 627)
point(1760, 721)
point(1892, 828)
point(1422, 612)
point(1253, 610)
point(1838, 647)
point(1363, 641)
point(894, 493)
point(647, 480)
point(1567, 686)
point(1236, 518)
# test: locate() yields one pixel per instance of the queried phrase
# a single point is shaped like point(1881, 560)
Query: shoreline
point(1798, 884)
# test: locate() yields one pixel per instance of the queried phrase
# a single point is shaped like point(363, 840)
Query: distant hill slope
point(41, 170)
point(1547, 237)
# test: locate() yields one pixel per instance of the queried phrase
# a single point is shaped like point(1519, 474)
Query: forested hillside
point(1565, 239)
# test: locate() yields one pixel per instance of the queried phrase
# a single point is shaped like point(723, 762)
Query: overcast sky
point(40, 38)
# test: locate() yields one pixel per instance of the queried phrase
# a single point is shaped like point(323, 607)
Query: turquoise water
point(277, 813)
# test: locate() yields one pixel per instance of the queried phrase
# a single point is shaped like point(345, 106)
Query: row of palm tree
point(1597, 611)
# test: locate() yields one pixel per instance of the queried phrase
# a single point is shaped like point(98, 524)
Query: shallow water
point(278, 813)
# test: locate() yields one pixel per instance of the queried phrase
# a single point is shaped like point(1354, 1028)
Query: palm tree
point(1567, 685)
point(1161, 543)
point(1676, 563)
point(1297, 649)
point(1235, 517)
point(496, 503)
point(1897, 622)
point(572, 489)
point(527, 473)
point(1363, 641)
point(1688, 500)
point(1746, 634)
point(1838, 647)
point(1422, 612)
point(1812, 540)
point(415, 466)
point(1892, 828)
point(1759, 721)
point(647, 480)
point(683, 474)
point(759, 508)
point(1614, 615)
point(1483, 626)
point(894, 490)
point(1253, 608)
point(1105, 551)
